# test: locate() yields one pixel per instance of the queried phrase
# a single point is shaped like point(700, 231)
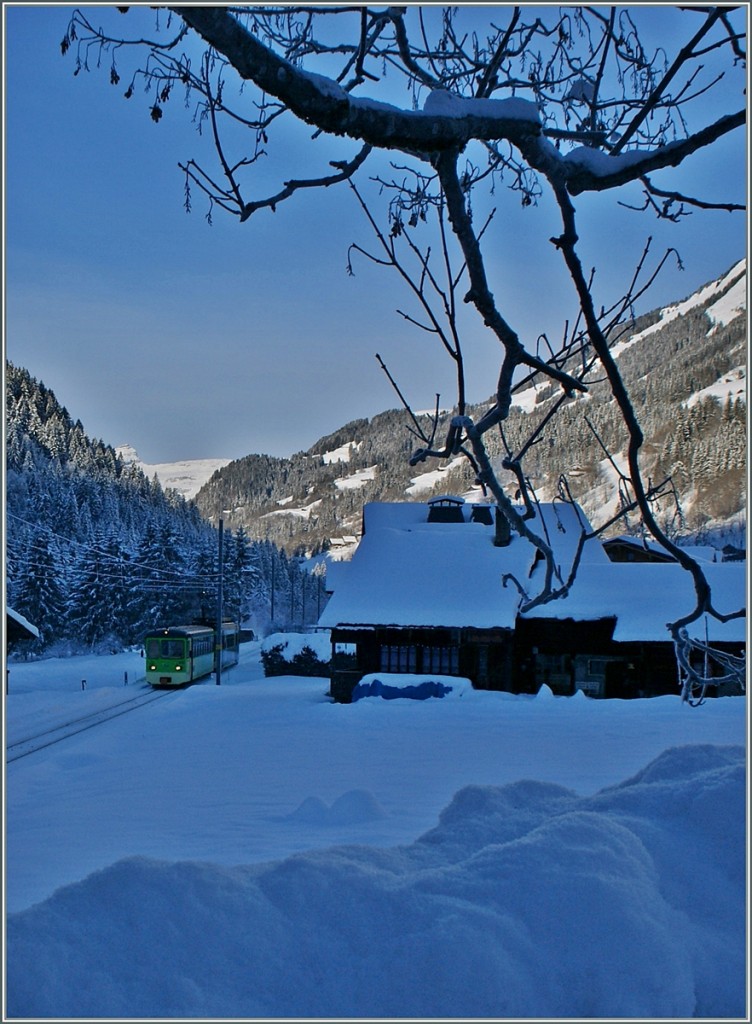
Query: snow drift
point(526, 900)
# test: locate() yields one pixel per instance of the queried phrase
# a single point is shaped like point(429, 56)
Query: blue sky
point(190, 341)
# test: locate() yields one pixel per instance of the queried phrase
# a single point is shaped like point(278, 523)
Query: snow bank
point(352, 808)
point(525, 900)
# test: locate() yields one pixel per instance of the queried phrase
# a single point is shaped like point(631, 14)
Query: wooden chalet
point(631, 549)
point(636, 549)
point(425, 593)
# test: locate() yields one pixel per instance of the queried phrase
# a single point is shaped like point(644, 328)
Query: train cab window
point(161, 648)
point(152, 648)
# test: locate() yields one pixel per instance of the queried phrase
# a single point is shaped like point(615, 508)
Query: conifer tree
point(39, 587)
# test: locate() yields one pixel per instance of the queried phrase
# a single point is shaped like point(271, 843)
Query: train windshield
point(165, 648)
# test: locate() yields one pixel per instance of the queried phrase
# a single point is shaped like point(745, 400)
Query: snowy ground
point(187, 860)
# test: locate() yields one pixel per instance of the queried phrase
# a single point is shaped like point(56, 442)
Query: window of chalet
point(596, 666)
point(444, 660)
point(410, 658)
point(399, 658)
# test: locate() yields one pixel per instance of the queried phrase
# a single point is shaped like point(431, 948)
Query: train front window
point(165, 648)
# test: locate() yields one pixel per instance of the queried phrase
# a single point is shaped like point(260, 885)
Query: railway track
point(39, 741)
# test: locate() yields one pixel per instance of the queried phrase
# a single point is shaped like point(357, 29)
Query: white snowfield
point(252, 850)
point(732, 385)
point(730, 304)
point(186, 477)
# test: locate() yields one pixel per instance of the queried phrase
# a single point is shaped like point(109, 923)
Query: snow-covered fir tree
point(97, 554)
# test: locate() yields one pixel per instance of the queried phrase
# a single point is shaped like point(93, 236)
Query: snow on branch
point(591, 170)
point(322, 102)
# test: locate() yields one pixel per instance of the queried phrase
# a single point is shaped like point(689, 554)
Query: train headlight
point(178, 668)
point(152, 668)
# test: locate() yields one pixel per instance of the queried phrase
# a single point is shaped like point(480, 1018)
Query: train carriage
point(176, 655)
point(230, 644)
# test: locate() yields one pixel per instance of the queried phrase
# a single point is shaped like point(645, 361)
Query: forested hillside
point(685, 367)
point(97, 553)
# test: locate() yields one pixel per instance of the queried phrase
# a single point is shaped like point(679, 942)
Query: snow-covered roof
point(407, 571)
point(23, 625)
point(645, 596)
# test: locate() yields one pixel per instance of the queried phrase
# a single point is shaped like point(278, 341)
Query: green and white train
point(176, 655)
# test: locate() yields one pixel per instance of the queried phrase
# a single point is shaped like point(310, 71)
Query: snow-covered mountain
point(686, 372)
point(722, 301)
point(186, 477)
point(685, 369)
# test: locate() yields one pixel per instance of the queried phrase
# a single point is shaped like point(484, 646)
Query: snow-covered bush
point(296, 654)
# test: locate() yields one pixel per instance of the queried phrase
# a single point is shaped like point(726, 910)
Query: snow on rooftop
point(21, 620)
point(409, 572)
point(645, 596)
point(700, 552)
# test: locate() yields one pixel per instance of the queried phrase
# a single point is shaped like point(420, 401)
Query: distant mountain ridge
point(684, 365)
point(186, 477)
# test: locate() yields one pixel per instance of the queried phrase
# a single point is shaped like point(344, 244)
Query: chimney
point(502, 533)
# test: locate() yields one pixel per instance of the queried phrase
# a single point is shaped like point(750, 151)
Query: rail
point(31, 744)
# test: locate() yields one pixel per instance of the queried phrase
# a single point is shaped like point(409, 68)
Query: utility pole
point(220, 596)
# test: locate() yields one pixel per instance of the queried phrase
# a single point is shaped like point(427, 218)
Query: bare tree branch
point(560, 102)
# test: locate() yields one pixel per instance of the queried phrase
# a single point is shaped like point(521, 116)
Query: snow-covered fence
point(296, 654)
